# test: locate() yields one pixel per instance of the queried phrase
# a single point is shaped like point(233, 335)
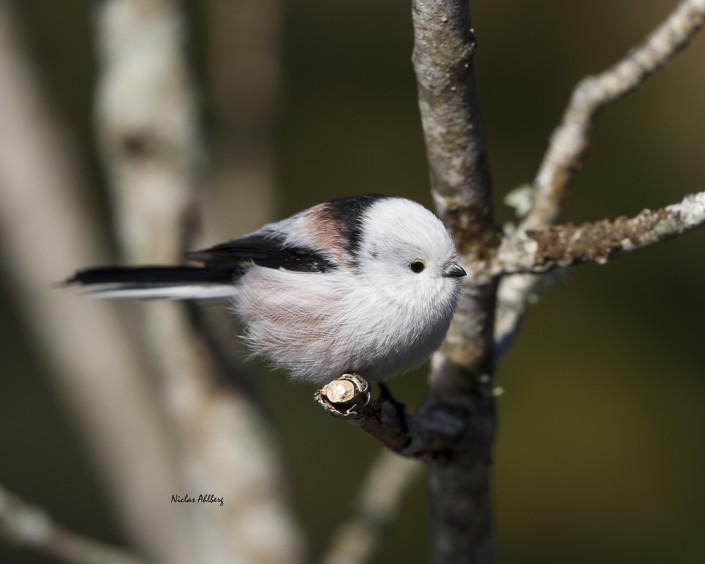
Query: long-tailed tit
point(365, 284)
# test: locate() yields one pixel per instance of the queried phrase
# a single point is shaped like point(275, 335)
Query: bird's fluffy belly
point(319, 331)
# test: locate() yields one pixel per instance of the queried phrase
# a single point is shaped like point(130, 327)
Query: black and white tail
point(155, 282)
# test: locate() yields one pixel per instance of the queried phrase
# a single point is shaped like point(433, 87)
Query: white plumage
point(366, 284)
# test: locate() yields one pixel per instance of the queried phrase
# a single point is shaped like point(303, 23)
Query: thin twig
point(571, 138)
point(25, 525)
point(566, 245)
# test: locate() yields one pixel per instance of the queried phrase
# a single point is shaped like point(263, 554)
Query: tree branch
point(348, 398)
point(566, 245)
point(444, 48)
point(25, 525)
point(427, 435)
point(460, 384)
point(570, 140)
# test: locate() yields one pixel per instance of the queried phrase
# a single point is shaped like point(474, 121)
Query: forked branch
point(567, 146)
point(567, 245)
point(571, 138)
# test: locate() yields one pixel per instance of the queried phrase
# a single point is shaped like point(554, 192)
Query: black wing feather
point(153, 275)
point(263, 249)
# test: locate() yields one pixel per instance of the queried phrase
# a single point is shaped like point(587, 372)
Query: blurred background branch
point(47, 228)
point(151, 144)
point(27, 526)
point(357, 540)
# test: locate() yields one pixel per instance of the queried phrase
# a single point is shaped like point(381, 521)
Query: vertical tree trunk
point(460, 394)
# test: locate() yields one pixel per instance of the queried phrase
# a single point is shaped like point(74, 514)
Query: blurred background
point(600, 455)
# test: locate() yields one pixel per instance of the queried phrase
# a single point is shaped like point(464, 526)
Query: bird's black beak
point(454, 270)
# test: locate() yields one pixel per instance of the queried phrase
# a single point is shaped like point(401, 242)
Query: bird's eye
point(417, 265)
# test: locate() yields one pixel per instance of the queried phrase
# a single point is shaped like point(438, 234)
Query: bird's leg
point(385, 396)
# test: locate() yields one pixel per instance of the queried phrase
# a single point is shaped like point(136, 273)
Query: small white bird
point(365, 284)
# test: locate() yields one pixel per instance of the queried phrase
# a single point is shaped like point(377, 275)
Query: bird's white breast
point(319, 326)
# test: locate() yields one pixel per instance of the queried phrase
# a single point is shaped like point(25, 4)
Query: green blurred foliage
point(600, 455)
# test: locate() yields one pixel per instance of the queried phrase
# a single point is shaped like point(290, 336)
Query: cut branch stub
point(344, 397)
point(386, 420)
point(435, 432)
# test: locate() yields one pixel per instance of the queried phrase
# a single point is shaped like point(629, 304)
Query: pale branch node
point(24, 525)
point(515, 294)
point(571, 138)
point(534, 251)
